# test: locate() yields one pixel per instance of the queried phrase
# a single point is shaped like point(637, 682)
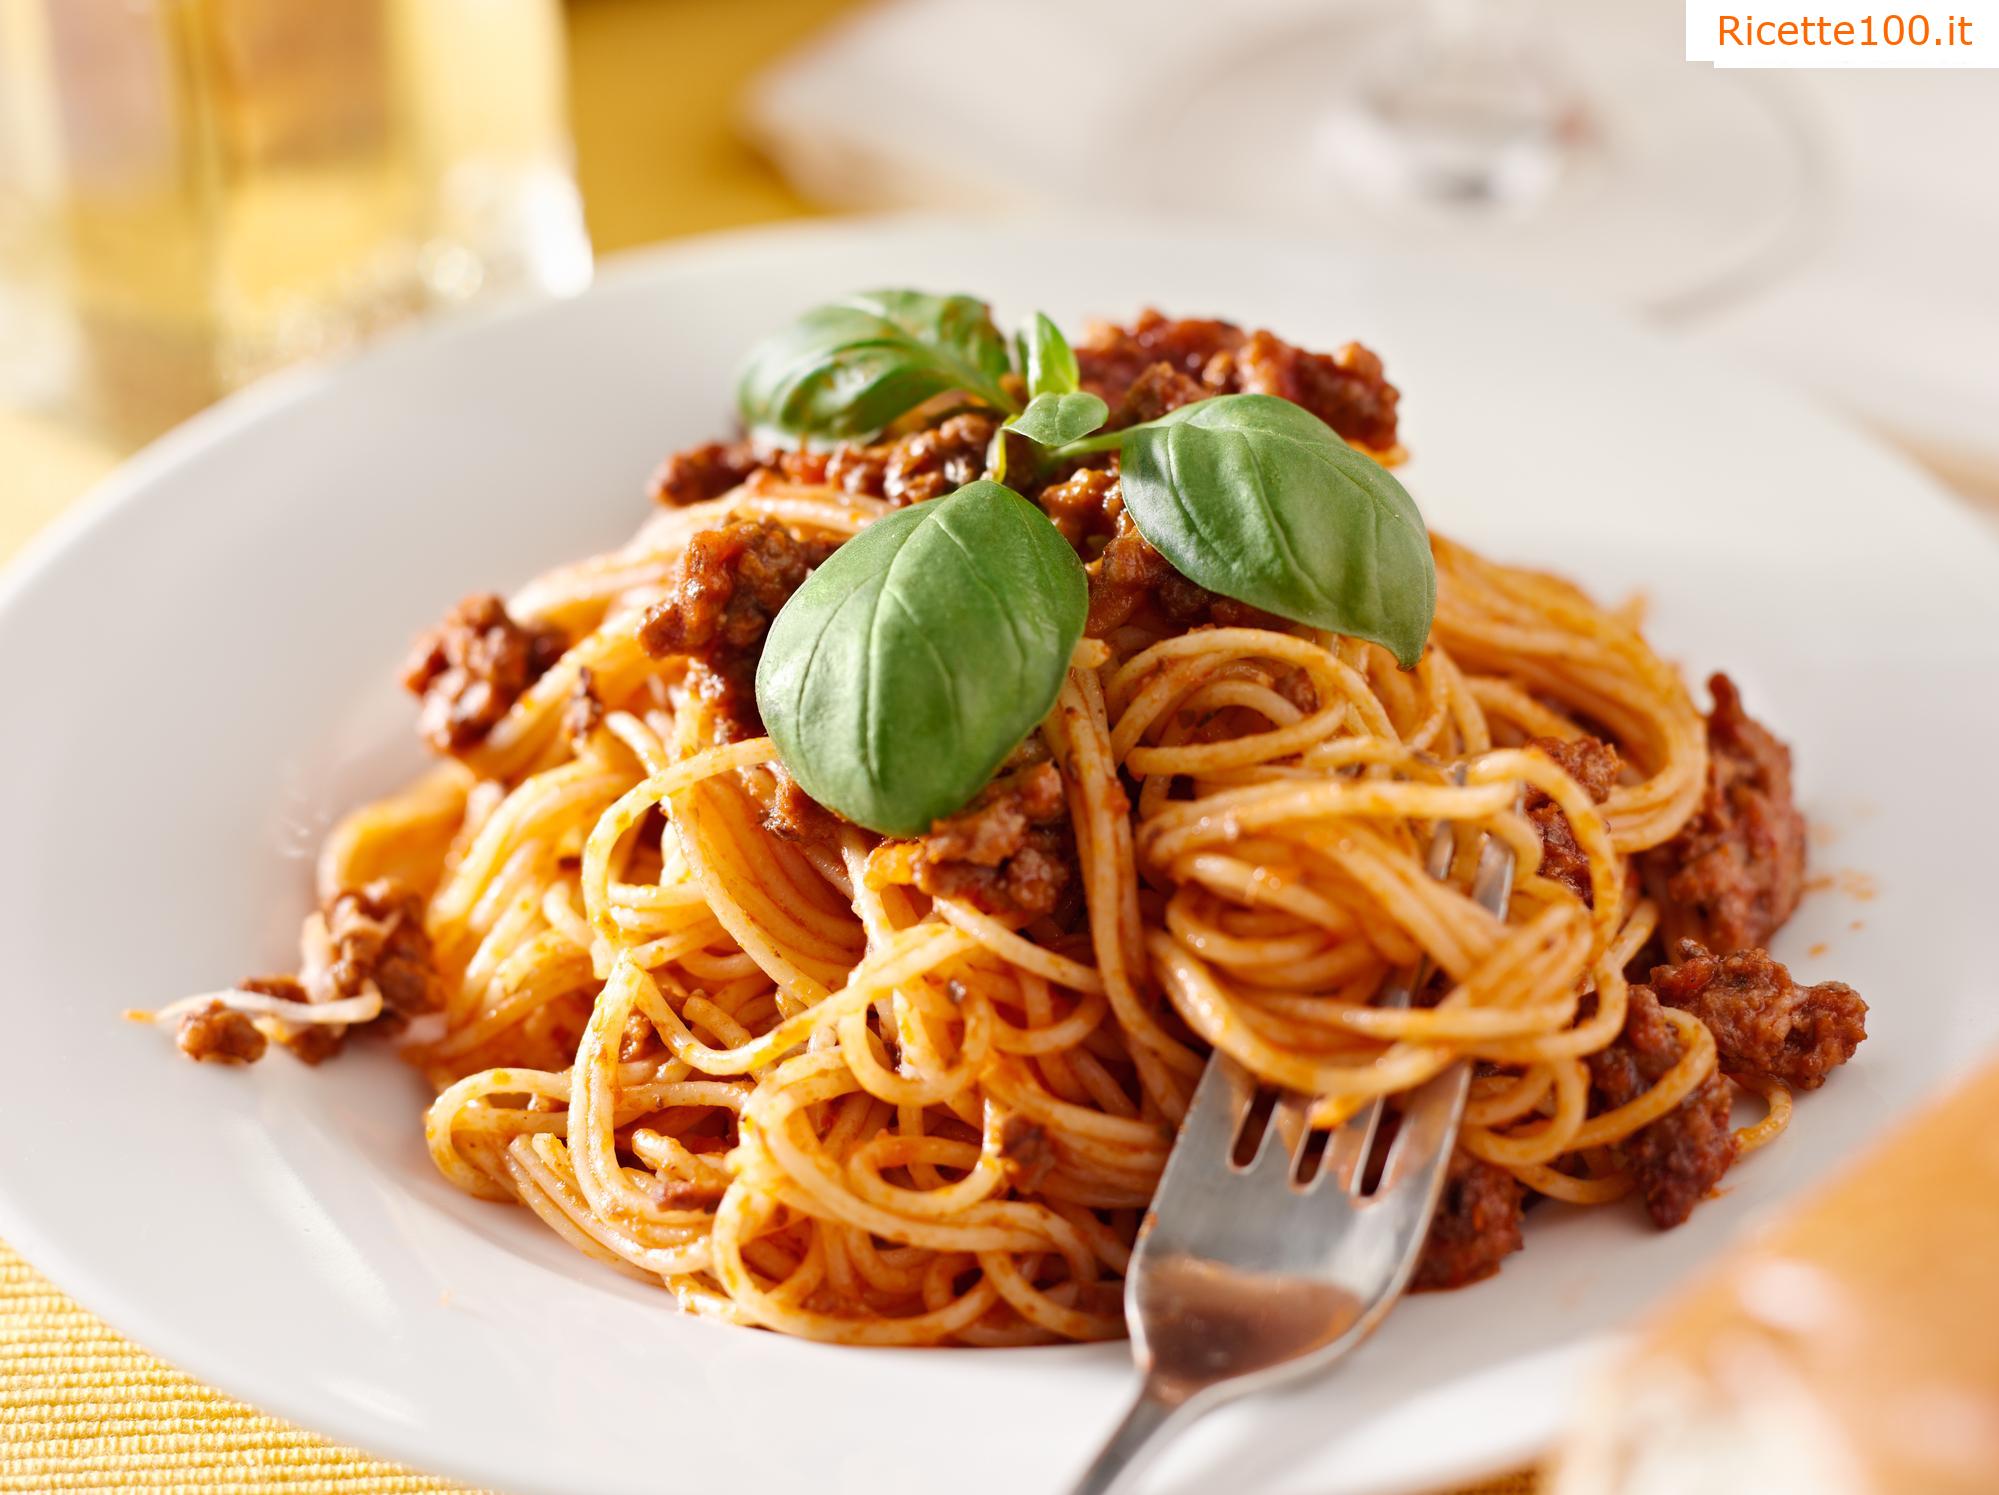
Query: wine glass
point(1560, 141)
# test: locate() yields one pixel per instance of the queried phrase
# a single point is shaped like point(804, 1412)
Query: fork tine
point(1352, 1146)
point(1493, 886)
point(1432, 1111)
point(1292, 1122)
point(1200, 1160)
point(1348, 1148)
point(1215, 1114)
point(1430, 1116)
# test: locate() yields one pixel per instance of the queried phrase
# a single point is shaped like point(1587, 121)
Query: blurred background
point(196, 192)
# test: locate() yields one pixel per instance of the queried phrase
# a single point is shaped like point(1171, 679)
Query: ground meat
point(640, 1040)
point(907, 469)
point(1010, 851)
point(1681, 1156)
point(703, 472)
point(311, 1043)
point(1025, 1152)
point(1763, 1022)
point(1477, 1225)
point(1110, 359)
point(920, 465)
point(377, 935)
point(1736, 870)
point(220, 1035)
point(314, 1043)
point(1296, 687)
point(731, 584)
point(1592, 763)
point(859, 470)
point(1347, 389)
point(1084, 505)
point(1158, 390)
point(284, 988)
point(1124, 578)
point(709, 471)
point(471, 669)
point(1131, 578)
point(796, 815)
point(582, 712)
point(679, 1193)
point(931, 463)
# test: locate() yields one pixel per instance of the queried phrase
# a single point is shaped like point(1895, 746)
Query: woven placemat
point(83, 1408)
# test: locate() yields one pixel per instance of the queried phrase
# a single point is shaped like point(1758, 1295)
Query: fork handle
point(1133, 1442)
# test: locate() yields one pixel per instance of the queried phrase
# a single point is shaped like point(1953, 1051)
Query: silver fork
point(1248, 1275)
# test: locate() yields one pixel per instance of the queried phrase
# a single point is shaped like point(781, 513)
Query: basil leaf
point(898, 678)
point(1047, 360)
point(1258, 499)
point(1050, 420)
point(846, 369)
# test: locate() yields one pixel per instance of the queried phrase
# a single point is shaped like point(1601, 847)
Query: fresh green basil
point(912, 662)
point(843, 371)
point(1258, 499)
point(1058, 410)
point(1048, 362)
point(906, 668)
point(1048, 421)
point(1051, 420)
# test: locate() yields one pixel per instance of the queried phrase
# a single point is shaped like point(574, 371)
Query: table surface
point(82, 1408)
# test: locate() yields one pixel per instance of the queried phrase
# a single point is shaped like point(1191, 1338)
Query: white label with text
point(1833, 35)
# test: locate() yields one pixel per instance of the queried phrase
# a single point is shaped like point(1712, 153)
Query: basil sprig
point(1258, 499)
point(906, 668)
point(1058, 411)
point(1046, 359)
point(1055, 420)
point(843, 371)
point(914, 660)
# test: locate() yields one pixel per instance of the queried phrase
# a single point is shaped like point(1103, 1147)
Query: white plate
point(198, 670)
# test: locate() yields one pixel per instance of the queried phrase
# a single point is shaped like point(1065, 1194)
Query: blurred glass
point(1560, 142)
point(194, 192)
point(1460, 106)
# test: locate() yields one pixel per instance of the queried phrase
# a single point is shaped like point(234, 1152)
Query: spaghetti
point(776, 1076)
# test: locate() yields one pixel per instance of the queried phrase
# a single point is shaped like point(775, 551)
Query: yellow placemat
point(83, 1408)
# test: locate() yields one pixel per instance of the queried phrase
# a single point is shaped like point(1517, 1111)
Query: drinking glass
point(1559, 141)
point(194, 192)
